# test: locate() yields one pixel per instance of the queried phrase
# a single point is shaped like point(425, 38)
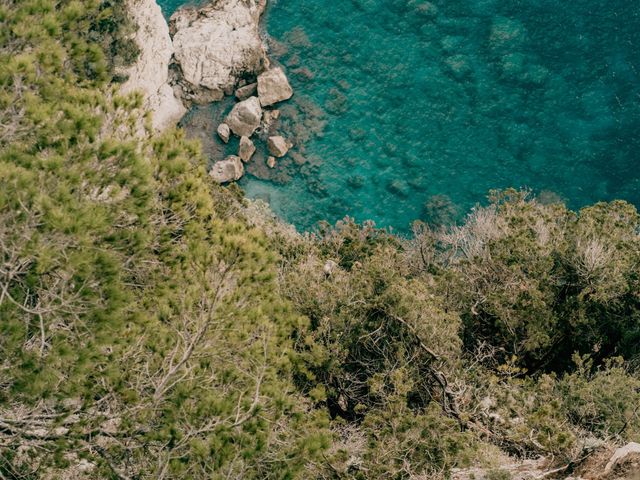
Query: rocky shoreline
point(201, 56)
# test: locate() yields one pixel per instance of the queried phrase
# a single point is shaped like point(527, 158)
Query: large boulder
point(228, 170)
point(150, 73)
point(245, 117)
point(273, 87)
point(217, 45)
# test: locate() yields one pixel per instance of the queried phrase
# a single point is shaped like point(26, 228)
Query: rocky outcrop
point(245, 117)
point(271, 162)
point(273, 87)
point(278, 146)
point(216, 45)
point(150, 73)
point(228, 170)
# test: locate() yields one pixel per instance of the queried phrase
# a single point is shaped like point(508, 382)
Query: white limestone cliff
point(150, 73)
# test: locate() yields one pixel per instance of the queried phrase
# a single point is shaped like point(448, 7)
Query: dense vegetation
point(155, 325)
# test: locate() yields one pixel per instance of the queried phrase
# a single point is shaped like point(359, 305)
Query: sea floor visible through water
point(411, 109)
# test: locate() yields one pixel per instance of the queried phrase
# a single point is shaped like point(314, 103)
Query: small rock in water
point(271, 162)
point(224, 132)
point(247, 91)
point(275, 114)
point(227, 170)
point(269, 117)
point(245, 117)
point(278, 146)
point(247, 149)
point(273, 87)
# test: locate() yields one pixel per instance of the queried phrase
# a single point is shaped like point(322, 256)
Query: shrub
point(604, 400)
point(538, 281)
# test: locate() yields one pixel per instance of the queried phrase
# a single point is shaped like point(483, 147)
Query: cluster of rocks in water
point(202, 55)
point(218, 50)
point(251, 114)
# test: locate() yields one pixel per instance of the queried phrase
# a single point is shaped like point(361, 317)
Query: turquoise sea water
point(408, 109)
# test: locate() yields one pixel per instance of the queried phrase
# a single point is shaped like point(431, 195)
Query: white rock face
point(247, 149)
point(150, 73)
point(167, 110)
point(228, 170)
point(217, 44)
point(245, 117)
point(278, 146)
point(273, 87)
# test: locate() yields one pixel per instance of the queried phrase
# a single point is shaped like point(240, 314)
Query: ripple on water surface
point(403, 106)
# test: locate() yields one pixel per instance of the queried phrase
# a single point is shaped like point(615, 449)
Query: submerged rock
point(247, 149)
point(224, 132)
point(425, 9)
point(228, 170)
point(337, 102)
point(245, 117)
point(150, 73)
point(278, 146)
point(216, 45)
point(398, 188)
point(304, 74)
point(356, 182)
point(273, 87)
point(269, 117)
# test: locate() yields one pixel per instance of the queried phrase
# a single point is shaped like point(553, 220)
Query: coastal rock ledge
point(216, 45)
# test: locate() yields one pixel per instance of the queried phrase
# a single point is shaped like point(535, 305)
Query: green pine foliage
point(146, 329)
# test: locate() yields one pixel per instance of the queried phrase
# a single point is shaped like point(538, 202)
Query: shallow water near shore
point(407, 109)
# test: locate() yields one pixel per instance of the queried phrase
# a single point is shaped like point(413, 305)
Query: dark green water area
point(408, 109)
